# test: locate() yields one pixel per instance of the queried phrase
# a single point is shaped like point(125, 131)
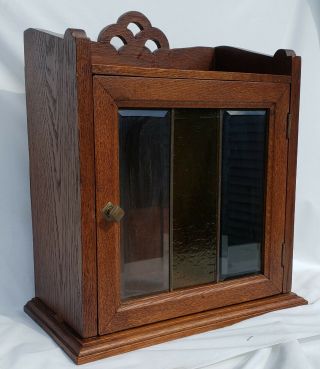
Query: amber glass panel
point(242, 192)
point(195, 195)
point(144, 154)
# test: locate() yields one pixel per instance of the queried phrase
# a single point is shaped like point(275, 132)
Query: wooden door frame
point(112, 92)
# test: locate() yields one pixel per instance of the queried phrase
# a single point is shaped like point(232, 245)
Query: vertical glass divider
point(220, 128)
point(171, 202)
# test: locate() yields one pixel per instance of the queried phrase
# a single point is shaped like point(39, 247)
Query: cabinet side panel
point(50, 69)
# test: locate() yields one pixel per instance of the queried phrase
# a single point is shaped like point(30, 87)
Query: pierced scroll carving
point(134, 45)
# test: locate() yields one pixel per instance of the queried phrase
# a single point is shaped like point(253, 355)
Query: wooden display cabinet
point(162, 186)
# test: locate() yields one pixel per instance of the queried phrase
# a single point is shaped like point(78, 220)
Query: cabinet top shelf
point(181, 61)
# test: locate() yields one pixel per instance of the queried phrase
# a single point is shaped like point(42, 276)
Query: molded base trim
point(84, 350)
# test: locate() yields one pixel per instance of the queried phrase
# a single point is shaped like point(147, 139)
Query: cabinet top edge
point(137, 52)
point(131, 71)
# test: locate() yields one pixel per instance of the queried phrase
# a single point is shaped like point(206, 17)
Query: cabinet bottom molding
point(84, 350)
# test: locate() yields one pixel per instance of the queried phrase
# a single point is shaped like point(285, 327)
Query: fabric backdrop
point(284, 339)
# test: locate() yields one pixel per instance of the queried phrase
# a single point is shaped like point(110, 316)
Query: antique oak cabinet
point(162, 186)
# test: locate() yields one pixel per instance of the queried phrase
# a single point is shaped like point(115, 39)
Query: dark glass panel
point(144, 154)
point(242, 192)
point(195, 195)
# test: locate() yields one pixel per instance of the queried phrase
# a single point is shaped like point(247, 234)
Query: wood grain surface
point(125, 70)
point(291, 172)
point(135, 52)
point(82, 351)
point(60, 131)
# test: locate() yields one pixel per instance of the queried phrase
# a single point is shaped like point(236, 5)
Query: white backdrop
point(284, 339)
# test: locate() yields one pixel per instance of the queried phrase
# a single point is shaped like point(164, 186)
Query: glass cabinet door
point(192, 188)
point(198, 168)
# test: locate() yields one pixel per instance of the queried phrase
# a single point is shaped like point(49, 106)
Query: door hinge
point(283, 254)
point(289, 119)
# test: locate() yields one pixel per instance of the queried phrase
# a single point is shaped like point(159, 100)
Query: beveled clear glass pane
point(144, 155)
point(244, 136)
point(195, 196)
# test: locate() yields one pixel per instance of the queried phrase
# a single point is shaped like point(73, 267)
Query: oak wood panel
point(62, 183)
point(278, 197)
point(187, 301)
point(228, 58)
point(148, 92)
point(221, 58)
point(193, 58)
point(135, 52)
point(291, 172)
point(86, 350)
point(108, 234)
point(177, 92)
point(122, 70)
point(194, 103)
point(269, 165)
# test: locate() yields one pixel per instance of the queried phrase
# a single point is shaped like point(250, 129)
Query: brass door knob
point(113, 213)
